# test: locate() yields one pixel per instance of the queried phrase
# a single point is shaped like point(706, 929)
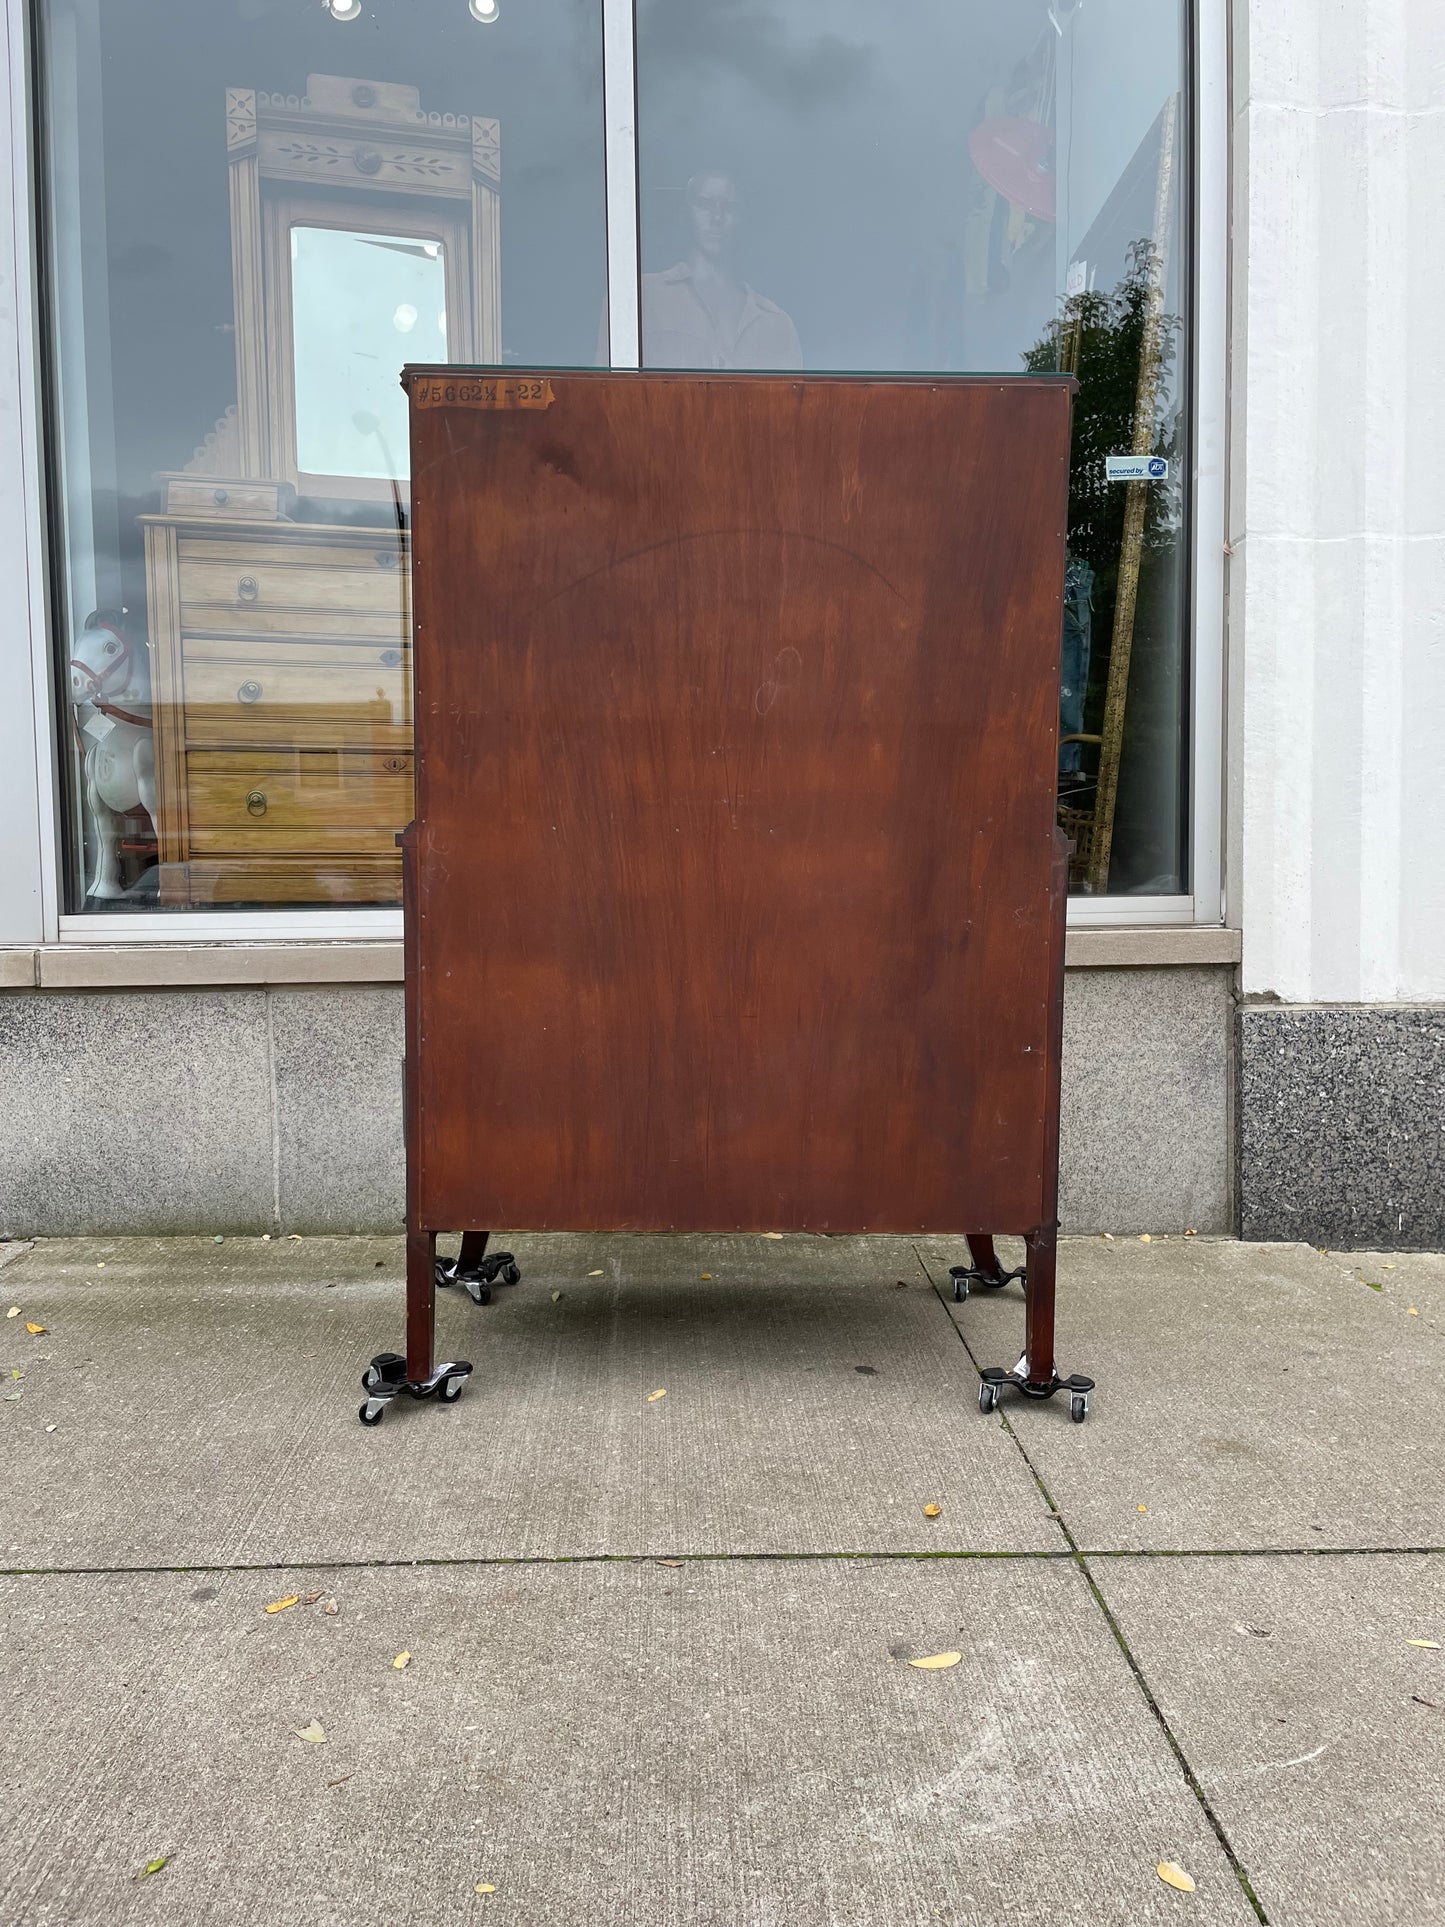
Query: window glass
point(258, 211)
point(963, 185)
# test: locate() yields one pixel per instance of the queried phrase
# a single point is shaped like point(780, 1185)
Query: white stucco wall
point(1337, 499)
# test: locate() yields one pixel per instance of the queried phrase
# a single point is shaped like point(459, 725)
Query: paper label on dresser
point(477, 391)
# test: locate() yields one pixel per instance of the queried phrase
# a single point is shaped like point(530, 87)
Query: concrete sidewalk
point(658, 1647)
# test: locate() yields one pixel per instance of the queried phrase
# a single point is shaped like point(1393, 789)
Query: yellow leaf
point(932, 1510)
point(401, 1662)
point(280, 1605)
point(653, 1397)
point(313, 1733)
point(484, 1887)
point(153, 1866)
point(1145, 1239)
point(1143, 1508)
point(556, 1297)
point(1412, 1313)
point(773, 1234)
point(595, 1274)
point(100, 1264)
point(1430, 1645)
point(936, 1662)
point(39, 1330)
point(14, 1312)
point(1173, 1875)
point(707, 1277)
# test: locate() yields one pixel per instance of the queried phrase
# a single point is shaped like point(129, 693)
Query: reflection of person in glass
point(699, 314)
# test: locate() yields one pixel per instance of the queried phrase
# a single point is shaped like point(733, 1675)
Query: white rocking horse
point(110, 697)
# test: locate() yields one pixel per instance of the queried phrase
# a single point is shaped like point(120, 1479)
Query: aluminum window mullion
point(619, 108)
point(29, 849)
point(1210, 306)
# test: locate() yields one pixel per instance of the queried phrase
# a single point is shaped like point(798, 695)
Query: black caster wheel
point(1079, 1407)
point(959, 1275)
point(477, 1291)
point(450, 1390)
point(371, 1412)
point(385, 1368)
point(987, 1396)
point(511, 1275)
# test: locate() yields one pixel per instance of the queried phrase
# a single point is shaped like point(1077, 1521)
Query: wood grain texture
point(736, 714)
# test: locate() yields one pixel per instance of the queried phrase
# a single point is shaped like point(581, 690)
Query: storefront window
point(259, 210)
point(963, 185)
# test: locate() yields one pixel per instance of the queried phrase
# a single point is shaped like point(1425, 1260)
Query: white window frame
point(31, 876)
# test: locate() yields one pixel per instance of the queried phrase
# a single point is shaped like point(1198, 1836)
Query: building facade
point(224, 231)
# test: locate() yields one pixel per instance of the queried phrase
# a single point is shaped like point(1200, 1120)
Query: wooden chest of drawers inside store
point(281, 683)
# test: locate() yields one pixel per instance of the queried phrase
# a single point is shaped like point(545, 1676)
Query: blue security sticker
point(1135, 468)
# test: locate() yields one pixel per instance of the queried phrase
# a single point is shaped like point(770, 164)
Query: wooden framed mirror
point(364, 234)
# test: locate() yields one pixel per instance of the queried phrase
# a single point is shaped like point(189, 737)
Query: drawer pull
point(249, 692)
point(220, 497)
point(256, 803)
point(391, 657)
point(385, 558)
point(247, 588)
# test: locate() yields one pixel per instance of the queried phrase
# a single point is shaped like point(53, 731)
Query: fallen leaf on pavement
point(773, 1234)
point(401, 1662)
point(1143, 1508)
point(10, 1396)
point(595, 1274)
point(669, 1562)
point(1173, 1875)
point(653, 1397)
point(331, 1609)
point(483, 1887)
point(280, 1605)
point(153, 1866)
point(556, 1297)
point(1190, 1232)
point(100, 1264)
point(707, 1277)
point(1432, 1645)
point(14, 1312)
point(50, 1428)
point(936, 1662)
point(309, 1598)
point(313, 1733)
point(1412, 1313)
point(39, 1330)
point(341, 1782)
point(1421, 1702)
point(932, 1510)
point(1145, 1239)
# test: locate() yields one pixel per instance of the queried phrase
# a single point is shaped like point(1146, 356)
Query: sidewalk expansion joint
point(303, 1562)
point(1081, 1560)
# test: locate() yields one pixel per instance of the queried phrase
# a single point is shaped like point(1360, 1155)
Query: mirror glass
point(362, 305)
